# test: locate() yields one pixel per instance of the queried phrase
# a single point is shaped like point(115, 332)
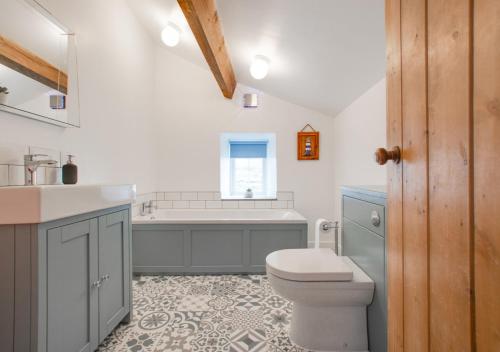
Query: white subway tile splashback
point(263, 204)
point(246, 204)
point(205, 195)
point(208, 200)
point(16, 175)
point(172, 196)
point(279, 204)
point(4, 175)
point(165, 204)
point(213, 204)
point(189, 196)
point(53, 176)
point(197, 204)
point(160, 196)
point(180, 204)
point(230, 204)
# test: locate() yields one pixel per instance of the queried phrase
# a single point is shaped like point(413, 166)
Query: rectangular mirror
point(38, 65)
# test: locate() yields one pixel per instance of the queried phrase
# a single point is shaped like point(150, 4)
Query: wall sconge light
point(171, 34)
point(259, 67)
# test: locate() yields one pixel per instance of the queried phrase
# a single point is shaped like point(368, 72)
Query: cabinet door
point(72, 304)
point(114, 270)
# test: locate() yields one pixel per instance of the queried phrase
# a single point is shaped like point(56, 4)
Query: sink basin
point(37, 204)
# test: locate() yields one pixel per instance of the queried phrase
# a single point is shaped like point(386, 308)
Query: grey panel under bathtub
point(155, 249)
point(263, 242)
point(217, 248)
point(365, 245)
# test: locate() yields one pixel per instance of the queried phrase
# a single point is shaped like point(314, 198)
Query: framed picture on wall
point(308, 144)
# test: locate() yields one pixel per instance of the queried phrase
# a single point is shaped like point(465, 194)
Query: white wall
point(357, 132)
point(192, 113)
point(115, 56)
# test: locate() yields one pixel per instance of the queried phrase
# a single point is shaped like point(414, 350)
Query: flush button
point(375, 218)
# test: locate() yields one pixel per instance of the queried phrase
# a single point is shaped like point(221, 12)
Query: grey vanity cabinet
point(114, 271)
point(72, 296)
point(69, 281)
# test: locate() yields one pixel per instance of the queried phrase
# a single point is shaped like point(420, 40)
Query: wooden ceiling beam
point(31, 65)
point(204, 22)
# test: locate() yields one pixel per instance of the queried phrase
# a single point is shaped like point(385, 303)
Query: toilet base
point(334, 328)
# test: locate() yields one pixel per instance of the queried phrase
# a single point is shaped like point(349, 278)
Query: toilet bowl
point(329, 294)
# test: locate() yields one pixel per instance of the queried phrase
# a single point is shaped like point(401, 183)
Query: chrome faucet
point(148, 206)
point(31, 166)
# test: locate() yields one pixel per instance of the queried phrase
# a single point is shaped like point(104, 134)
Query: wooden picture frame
point(308, 145)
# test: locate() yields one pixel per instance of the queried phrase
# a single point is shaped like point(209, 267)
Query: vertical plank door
point(443, 111)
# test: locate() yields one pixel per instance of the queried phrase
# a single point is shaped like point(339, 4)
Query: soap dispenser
point(70, 172)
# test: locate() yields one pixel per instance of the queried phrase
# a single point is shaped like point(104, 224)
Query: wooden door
point(443, 106)
point(72, 304)
point(114, 270)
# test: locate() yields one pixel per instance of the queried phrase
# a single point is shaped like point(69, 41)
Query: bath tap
point(148, 206)
point(31, 166)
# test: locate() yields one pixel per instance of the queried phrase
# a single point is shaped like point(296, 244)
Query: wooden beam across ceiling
point(204, 22)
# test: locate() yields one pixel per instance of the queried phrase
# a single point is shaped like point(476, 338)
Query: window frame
point(227, 165)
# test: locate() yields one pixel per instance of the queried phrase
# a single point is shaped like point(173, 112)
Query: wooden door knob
point(382, 155)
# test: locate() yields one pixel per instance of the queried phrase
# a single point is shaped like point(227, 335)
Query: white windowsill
point(253, 198)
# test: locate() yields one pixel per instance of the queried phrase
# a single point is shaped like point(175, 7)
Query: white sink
point(37, 204)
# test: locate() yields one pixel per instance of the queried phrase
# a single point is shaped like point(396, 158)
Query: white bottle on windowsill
point(249, 193)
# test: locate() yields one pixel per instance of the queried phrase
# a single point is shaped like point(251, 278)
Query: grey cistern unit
point(364, 241)
point(70, 279)
point(211, 248)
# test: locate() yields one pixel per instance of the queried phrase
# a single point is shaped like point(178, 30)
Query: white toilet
point(329, 295)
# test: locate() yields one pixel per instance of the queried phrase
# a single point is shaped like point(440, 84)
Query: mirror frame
point(25, 62)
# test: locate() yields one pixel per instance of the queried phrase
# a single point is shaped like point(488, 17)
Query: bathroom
point(329, 243)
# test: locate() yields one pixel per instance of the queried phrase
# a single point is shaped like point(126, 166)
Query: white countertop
point(37, 204)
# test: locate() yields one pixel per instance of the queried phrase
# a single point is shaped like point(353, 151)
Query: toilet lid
point(309, 264)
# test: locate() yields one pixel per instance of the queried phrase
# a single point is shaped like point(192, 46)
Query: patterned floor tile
point(277, 319)
point(217, 320)
point(175, 340)
point(248, 302)
point(210, 313)
point(248, 341)
point(244, 319)
point(211, 341)
point(193, 303)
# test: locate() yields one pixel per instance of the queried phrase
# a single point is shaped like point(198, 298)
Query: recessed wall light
point(171, 34)
point(259, 67)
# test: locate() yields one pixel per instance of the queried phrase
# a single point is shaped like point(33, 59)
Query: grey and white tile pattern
point(206, 314)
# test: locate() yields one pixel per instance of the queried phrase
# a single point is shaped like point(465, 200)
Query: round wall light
point(259, 67)
point(171, 34)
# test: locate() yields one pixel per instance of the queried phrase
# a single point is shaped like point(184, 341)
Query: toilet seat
point(308, 265)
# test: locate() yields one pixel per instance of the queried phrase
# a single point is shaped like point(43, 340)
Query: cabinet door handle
point(105, 277)
point(375, 218)
point(96, 284)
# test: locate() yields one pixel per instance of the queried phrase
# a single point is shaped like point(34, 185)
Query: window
point(248, 162)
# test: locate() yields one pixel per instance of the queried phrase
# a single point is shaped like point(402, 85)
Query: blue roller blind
point(248, 149)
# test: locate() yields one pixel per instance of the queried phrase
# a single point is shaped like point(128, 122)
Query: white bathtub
point(221, 216)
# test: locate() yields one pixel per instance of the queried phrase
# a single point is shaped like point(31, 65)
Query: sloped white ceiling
point(324, 53)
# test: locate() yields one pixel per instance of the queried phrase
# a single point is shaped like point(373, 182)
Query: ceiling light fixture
point(171, 34)
point(259, 67)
